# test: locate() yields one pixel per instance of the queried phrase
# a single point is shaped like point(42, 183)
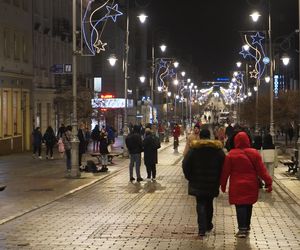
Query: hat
point(205, 134)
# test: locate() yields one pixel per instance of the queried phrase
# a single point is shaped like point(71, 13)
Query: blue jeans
point(205, 211)
point(243, 214)
point(135, 158)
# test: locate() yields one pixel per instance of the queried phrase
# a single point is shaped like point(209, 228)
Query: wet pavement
point(113, 213)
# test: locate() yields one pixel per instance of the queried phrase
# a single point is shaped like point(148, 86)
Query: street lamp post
point(298, 142)
point(75, 173)
point(125, 130)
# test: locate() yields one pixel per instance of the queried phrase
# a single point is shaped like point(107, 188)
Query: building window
point(15, 112)
point(6, 42)
point(16, 47)
point(25, 49)
point(5, 113)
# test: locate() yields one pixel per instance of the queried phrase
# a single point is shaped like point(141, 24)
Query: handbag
point(259, 180)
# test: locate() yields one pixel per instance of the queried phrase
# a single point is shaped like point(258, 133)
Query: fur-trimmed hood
point(206, 143)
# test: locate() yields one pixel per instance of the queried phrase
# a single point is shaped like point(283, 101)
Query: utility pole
point(75, 173)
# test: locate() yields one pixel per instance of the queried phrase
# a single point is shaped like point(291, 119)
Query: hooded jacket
point(202, 167)
point(243, 164)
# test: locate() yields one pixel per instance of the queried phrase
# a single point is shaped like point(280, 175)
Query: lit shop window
point(5, 113)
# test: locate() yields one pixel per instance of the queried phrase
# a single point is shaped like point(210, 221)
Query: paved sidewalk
point(33, 183)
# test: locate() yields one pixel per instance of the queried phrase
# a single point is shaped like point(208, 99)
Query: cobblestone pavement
point(116, 214)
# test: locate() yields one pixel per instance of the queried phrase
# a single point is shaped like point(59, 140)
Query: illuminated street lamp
point(112, 60)
point(142, 79)
point(163, 47)
point(142, 17)
point(238, 64)
point(285, 60)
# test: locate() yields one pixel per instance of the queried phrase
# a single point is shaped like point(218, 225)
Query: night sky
point(208, 31)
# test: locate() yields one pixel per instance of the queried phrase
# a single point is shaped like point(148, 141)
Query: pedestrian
point(194, 136)
point(269, 154)
point(150, 144)
point(95, 135)
point(243, 165)
point(202, 167)
point(81, 134)
point(61, 147)
point(50, 140)
point(135, 147)
point(67, 138)
point(104, 150)
point(257, 142)
point(61, 131)
point(176, 134)
point(37, 140)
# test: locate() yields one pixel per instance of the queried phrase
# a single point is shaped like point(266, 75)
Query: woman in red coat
point(243, 164)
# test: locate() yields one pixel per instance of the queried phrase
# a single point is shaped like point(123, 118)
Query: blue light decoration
point(163, 71)
point(256, 52)
point(91, 33)
point(276, 85)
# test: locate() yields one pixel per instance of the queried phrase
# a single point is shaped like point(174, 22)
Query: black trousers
point(243, 214)
point(151, 169)
point(205, 212)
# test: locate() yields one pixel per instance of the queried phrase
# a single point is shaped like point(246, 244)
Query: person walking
point(95, 135)
point(37, 140)
point(82, 144)
point(150, 144)
point(176, 134)
point(61, 131)
point(135, 147)
point(104, 150)
point(67, 137)
point(243, 165)
point(50, 140)
point(202, 167)
point(269, 154)
point(193, 136)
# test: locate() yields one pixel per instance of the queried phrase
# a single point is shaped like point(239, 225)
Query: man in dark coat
point(202, 167)
point(135, 147)
point(151, 143)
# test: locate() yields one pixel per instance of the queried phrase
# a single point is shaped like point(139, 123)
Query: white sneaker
point(51, 158)
point(148, 179)
point(40, 157)
point(153, 179)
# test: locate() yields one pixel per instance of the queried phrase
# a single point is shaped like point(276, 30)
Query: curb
point(287, 191)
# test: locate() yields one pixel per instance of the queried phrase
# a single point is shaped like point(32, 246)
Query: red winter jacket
point(243, 172)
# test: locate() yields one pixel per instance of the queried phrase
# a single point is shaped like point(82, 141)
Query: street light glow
point(267, 79)
point(255, 16)
point(238, 64)
point(142, 79)
point(175, 82)
point(112, 60)
point(176, 64)
point(163, 47)
point(142, 17)
point(183, 73)
point(246, 47)
point(169, 93)
point(159, 88)
point(285, 60)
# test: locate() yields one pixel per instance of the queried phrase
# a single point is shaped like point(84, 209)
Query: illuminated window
point(5, 113)
point(6, 42)
point(39, 115)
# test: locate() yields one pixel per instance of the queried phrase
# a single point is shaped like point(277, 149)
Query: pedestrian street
point(116, 214)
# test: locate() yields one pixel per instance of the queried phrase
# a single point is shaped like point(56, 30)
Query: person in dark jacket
point(243, 165)
point(257, 142)
point(202, 167)
point(95, 135)
point(150, 144)
point(81, 134)
point(103, 149)
point(50, 140)
point(135, 147)
point(37, 140)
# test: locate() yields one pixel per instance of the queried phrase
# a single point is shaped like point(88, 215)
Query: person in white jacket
point(269, 154)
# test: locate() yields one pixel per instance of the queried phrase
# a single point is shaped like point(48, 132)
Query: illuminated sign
point(107, 96)
point(111, 103)
point(97, 84)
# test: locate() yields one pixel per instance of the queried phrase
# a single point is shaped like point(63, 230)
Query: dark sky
point(208, 31)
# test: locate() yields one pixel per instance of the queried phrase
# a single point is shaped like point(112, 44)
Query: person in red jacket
point(176, 134)
point(244, 165)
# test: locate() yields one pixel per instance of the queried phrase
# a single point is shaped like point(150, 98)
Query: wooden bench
point(110, 157)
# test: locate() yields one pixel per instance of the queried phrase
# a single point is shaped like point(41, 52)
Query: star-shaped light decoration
point(99, 45)
point(244, 52)
point(257, 38)
point(172, 73)
point(253, 73)
point(162, 63)
point(113, 12)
